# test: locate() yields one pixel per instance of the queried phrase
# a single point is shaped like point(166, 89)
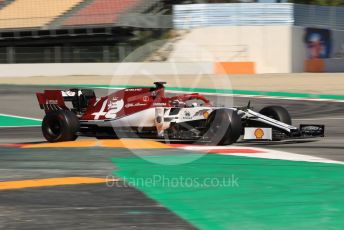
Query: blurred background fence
point(223, 14)
point(71, 54)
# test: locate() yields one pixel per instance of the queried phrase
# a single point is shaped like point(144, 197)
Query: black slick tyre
point(224, 127)
point(278, 113)
point(59, 126)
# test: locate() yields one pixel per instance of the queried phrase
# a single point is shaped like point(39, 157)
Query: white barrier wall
point(270, 47)
point(105, 69)
point(298, 50)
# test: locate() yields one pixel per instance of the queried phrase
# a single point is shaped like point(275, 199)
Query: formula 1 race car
point(148, 113)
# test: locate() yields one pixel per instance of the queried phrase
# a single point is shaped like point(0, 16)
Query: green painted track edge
point(12, 121)
point(192, 216)
point(220, 91)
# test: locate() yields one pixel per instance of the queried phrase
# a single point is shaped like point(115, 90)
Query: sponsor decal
point(53, 102)
point(253, 133)
point(203, 112)
point(68, 93)
point(138, 104)
point(138, 97)
point(312, 128)
point(187, 115)
point(159, 104)
point(259, 133)
point(133, 90)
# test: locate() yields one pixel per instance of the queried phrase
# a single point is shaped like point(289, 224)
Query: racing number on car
point(114, 106)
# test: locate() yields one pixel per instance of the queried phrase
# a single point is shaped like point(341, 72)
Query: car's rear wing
point(51, 100)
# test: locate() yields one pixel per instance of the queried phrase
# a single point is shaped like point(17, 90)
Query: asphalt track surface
point(103, 207)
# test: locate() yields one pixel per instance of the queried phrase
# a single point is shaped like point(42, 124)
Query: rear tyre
point(60, 126)
point(224, 127)
point(278, 113)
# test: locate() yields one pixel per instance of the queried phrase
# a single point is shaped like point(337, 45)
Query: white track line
point(15, 116)
point(278, 155)
point(266, 154)
point(23, 126)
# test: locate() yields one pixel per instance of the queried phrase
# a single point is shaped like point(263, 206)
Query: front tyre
point(60, 126)
point(224, 127)
point(278, 113)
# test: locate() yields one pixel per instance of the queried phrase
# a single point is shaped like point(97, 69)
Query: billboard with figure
point(318, 43)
